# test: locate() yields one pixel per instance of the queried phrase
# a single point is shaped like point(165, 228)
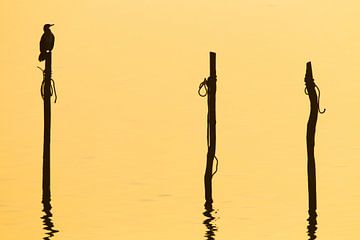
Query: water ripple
point(209, 222)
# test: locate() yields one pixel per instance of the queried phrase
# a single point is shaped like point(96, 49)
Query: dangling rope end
point(40, 69)
point(318, 103)
point(318, 100)
point(53, 88)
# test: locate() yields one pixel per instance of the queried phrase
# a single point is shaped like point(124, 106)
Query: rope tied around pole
point(216, 167)
point(52, 87)
point(208, 145)
point(318, 100)
point(204, 84)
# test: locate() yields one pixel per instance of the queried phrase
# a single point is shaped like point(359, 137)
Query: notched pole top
point(212, 64)
point(309, 75)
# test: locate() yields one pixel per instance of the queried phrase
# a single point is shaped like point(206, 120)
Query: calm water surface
point(114, 182)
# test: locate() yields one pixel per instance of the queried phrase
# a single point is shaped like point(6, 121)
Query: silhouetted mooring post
point(210, 87)
point(310, 90)
point(47, 89)
point(47, 125)
point(46, 45)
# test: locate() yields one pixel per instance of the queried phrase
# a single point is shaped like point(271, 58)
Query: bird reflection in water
point(209, 222)
point(312, 227)
point(47, 220)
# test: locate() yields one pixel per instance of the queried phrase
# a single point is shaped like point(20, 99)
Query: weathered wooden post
point(310, 90)
point(209, 85)
point(46, 46)
point(47, 125)
point(210, 88)
point(211, 128)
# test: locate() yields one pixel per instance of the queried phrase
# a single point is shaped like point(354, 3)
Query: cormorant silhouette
point(46, 42)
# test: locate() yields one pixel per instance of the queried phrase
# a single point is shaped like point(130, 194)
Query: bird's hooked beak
point(51, 25)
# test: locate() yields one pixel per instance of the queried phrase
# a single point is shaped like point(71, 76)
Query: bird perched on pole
point(46, 42)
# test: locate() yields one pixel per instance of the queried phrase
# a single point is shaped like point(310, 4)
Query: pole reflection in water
point(46, 199)
point(312, 227)
point(209, 222)
point(47, 220)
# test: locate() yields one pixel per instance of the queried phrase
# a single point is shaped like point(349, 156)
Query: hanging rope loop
point(318, 99)
point(52, 86)
point(216, 166)
point(203, 85)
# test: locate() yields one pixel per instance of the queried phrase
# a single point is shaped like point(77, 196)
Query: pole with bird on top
point(46, 46)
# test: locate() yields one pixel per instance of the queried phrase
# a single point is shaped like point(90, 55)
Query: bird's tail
point(42, 57)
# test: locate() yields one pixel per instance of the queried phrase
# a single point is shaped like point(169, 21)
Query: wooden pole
point(310, 136)
point(211, 85)
point(47, 122)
